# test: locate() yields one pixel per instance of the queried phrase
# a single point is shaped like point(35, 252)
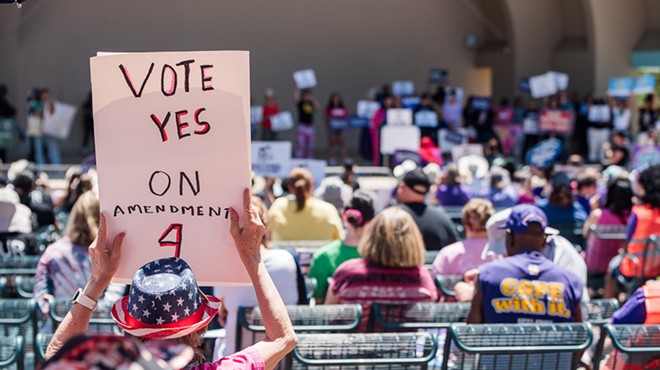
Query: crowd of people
point(601, 130)
point(516, 267)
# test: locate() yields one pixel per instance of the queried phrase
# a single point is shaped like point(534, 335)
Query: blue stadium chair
point(446, 283)
point(11, 353)
point(364, 351)
point(629, 347)
point(43, 340)
point(415, 316)
point(100, 322)
point(25, 286)
point(516, 346)
point(18, 318)
point(305, 319)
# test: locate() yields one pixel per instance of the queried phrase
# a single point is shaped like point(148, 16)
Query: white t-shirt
point(621, 119)
point(282, 269)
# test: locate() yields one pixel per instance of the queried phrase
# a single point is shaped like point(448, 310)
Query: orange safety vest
point(648, 223)
point(652, 302)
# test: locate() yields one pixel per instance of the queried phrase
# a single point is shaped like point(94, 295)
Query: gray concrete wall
point(353, 45)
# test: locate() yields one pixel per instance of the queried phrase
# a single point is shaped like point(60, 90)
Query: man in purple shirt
point(525, 287)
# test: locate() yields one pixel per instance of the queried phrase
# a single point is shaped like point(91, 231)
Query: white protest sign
point(600, 113)
point(447, 139)
point(271, 158)
point(281, 121)
point(426, 118)
point(403, 88)
point(58, 123)
point(393, 138)
point(644, 85)
point(172, 151)
point(367, 109)
point(399, 117)
point(256, 114)
point(561, 80)
point(462, 150)
point(315, 166)
point(305, 79)
point(543, 85)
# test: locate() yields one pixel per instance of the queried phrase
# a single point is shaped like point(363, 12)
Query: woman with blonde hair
point(65, 265)
point(391, 270)
point(462, 256)
point(300, 216)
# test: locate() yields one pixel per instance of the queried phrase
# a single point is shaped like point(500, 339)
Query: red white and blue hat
point(164, 302)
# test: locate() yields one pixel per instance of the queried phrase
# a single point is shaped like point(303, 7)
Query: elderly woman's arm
point(105, 261)
point(280, 337)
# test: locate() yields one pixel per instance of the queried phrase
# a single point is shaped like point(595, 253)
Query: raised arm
point(280, 337)
point(105, 261)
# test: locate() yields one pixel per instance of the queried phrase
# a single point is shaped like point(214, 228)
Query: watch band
point(83, 300)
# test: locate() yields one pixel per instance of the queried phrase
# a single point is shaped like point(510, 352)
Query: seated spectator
point(462, 256)
point(175, 321)
point(587, 182)
point(437, 229)
point(391, 270)
point(562, 210)
point(525, 287)
point(66, 265)
point(357, 215)
point(502, 193)
point(450, 191)
point(36, 198)
point(16, 237)
point(474, 171)
point(557, 249)
point(644, 221)
point(282, 268)
point(615, 212)
point(334, 191)
point(529, 192)
point(300, 216)
point(429, 151)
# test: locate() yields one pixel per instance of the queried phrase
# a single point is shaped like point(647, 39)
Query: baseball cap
point(523, 215)
point(417, 177)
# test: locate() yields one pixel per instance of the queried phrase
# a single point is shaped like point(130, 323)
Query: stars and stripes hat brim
point(164, 302)
point(137, 328)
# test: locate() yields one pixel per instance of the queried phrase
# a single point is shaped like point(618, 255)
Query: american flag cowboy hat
point(164, 302)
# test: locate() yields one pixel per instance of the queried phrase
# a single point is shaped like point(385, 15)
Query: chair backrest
point(101, 320)
point(305, 319)
point(365, 351)
point(3, 286)
point(310, 287)
point(25, 286)
point(43, 340)
point(633, 347)
point(608, 232)
point(18, 265)
point(18, 317)
point(598, 312)
point(398, 317)
point(11, 352)
point(445, 284)
point(516, 346)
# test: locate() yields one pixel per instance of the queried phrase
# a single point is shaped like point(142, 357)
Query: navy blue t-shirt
point(528, 288)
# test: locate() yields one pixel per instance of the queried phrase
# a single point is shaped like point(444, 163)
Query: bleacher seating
point(446, 283)
point(364, 351)
point(410, 317)
point(25, 286)
point(305, 319)
point(629, 347)
point(11, 353)
point(43, 340)
point(18, 318)
point(516, 346)
point(101, 320)
point(598, 312)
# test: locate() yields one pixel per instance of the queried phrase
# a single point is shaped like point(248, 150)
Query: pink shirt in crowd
point(600, 252)
point(460, 257)
point(248, 358)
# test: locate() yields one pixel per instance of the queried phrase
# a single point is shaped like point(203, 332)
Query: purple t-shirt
point(528, 288)
point(633, 312)
point(451, 195)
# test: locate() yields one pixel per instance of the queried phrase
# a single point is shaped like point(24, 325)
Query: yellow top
point(319, 220)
